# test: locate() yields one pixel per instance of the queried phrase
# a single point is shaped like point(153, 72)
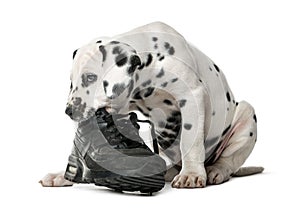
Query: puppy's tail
point(246, 171)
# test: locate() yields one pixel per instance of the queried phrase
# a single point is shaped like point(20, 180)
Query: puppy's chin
point(85, 116)
point(77, 117)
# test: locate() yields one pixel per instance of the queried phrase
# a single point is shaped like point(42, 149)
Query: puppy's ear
point(74, 53)
point(134, 62)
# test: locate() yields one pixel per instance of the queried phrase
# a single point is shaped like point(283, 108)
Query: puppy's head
point(100, 74)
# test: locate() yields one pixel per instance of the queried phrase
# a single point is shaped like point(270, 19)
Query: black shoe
point(104, 156)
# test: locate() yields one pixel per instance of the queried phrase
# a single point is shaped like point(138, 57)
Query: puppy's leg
point(241, 140)
point(55, 180)
point(193, 173)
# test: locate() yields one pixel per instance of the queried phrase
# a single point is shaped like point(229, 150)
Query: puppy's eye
point(91, 78)
point(88, 79)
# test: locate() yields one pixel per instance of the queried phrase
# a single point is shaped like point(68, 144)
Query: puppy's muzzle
point(76, 110)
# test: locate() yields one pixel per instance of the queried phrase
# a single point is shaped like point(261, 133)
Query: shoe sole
point(78, 172)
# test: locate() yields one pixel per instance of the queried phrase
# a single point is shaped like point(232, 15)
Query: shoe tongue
point(101, 112)
point(102, 115)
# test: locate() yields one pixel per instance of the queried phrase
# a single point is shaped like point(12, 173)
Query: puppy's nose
point(69, 111)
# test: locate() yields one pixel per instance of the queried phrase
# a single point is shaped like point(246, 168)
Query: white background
point(256, 43)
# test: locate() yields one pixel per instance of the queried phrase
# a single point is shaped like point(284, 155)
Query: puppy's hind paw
point(216, 175)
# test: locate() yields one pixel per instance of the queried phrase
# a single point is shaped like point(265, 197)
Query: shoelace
point(134, 120)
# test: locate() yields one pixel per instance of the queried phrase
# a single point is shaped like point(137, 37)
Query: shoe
point(108, 151)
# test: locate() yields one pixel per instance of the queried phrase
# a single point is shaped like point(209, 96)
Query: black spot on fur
point(74, 53)
point(118, 89)
point(159, 138)
point(177, 128)
point(140, 67)
point(236, 104)
point(164, 134)
point(114, 42)
point(116, 50)
point(161, 73)
point(213, 113)
point(149, 109)
point(211, 141)
point(154, 39)
point(170, 126)
point(175, 117)
point(171, 119)
point(167, 135)
point(165, 144)
point(144, 84)
point(136, 77)
point(134, 62)
point(200, 80)
point(254, 117)
point(77, 101)
point(161, 124)
point(103, 51)
point(226, 130)
point(161, 58)
point(182, 103)
point(136, 90)
point(164, 84)
point(130, 87)
point(176, 113)
point(105, 84)
point(217, 68)
point(187, 126)
point(132, 101)
point(171, 50)
point(155, 46)
point(149, 59)
point(228, 96)
point(99, 41)
point(173, 128)
point(172, 136)
point(137, 95)
point(167, 45)
point(149, 91)
point(167, 102)
point(121, 59)
point(174, 80)
point(87, 92)
point(251, 134)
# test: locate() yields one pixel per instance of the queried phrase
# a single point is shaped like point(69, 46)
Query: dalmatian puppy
point(154, 70)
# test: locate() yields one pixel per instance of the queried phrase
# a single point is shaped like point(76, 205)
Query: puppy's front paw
point(189, 180)
point(55, 180)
